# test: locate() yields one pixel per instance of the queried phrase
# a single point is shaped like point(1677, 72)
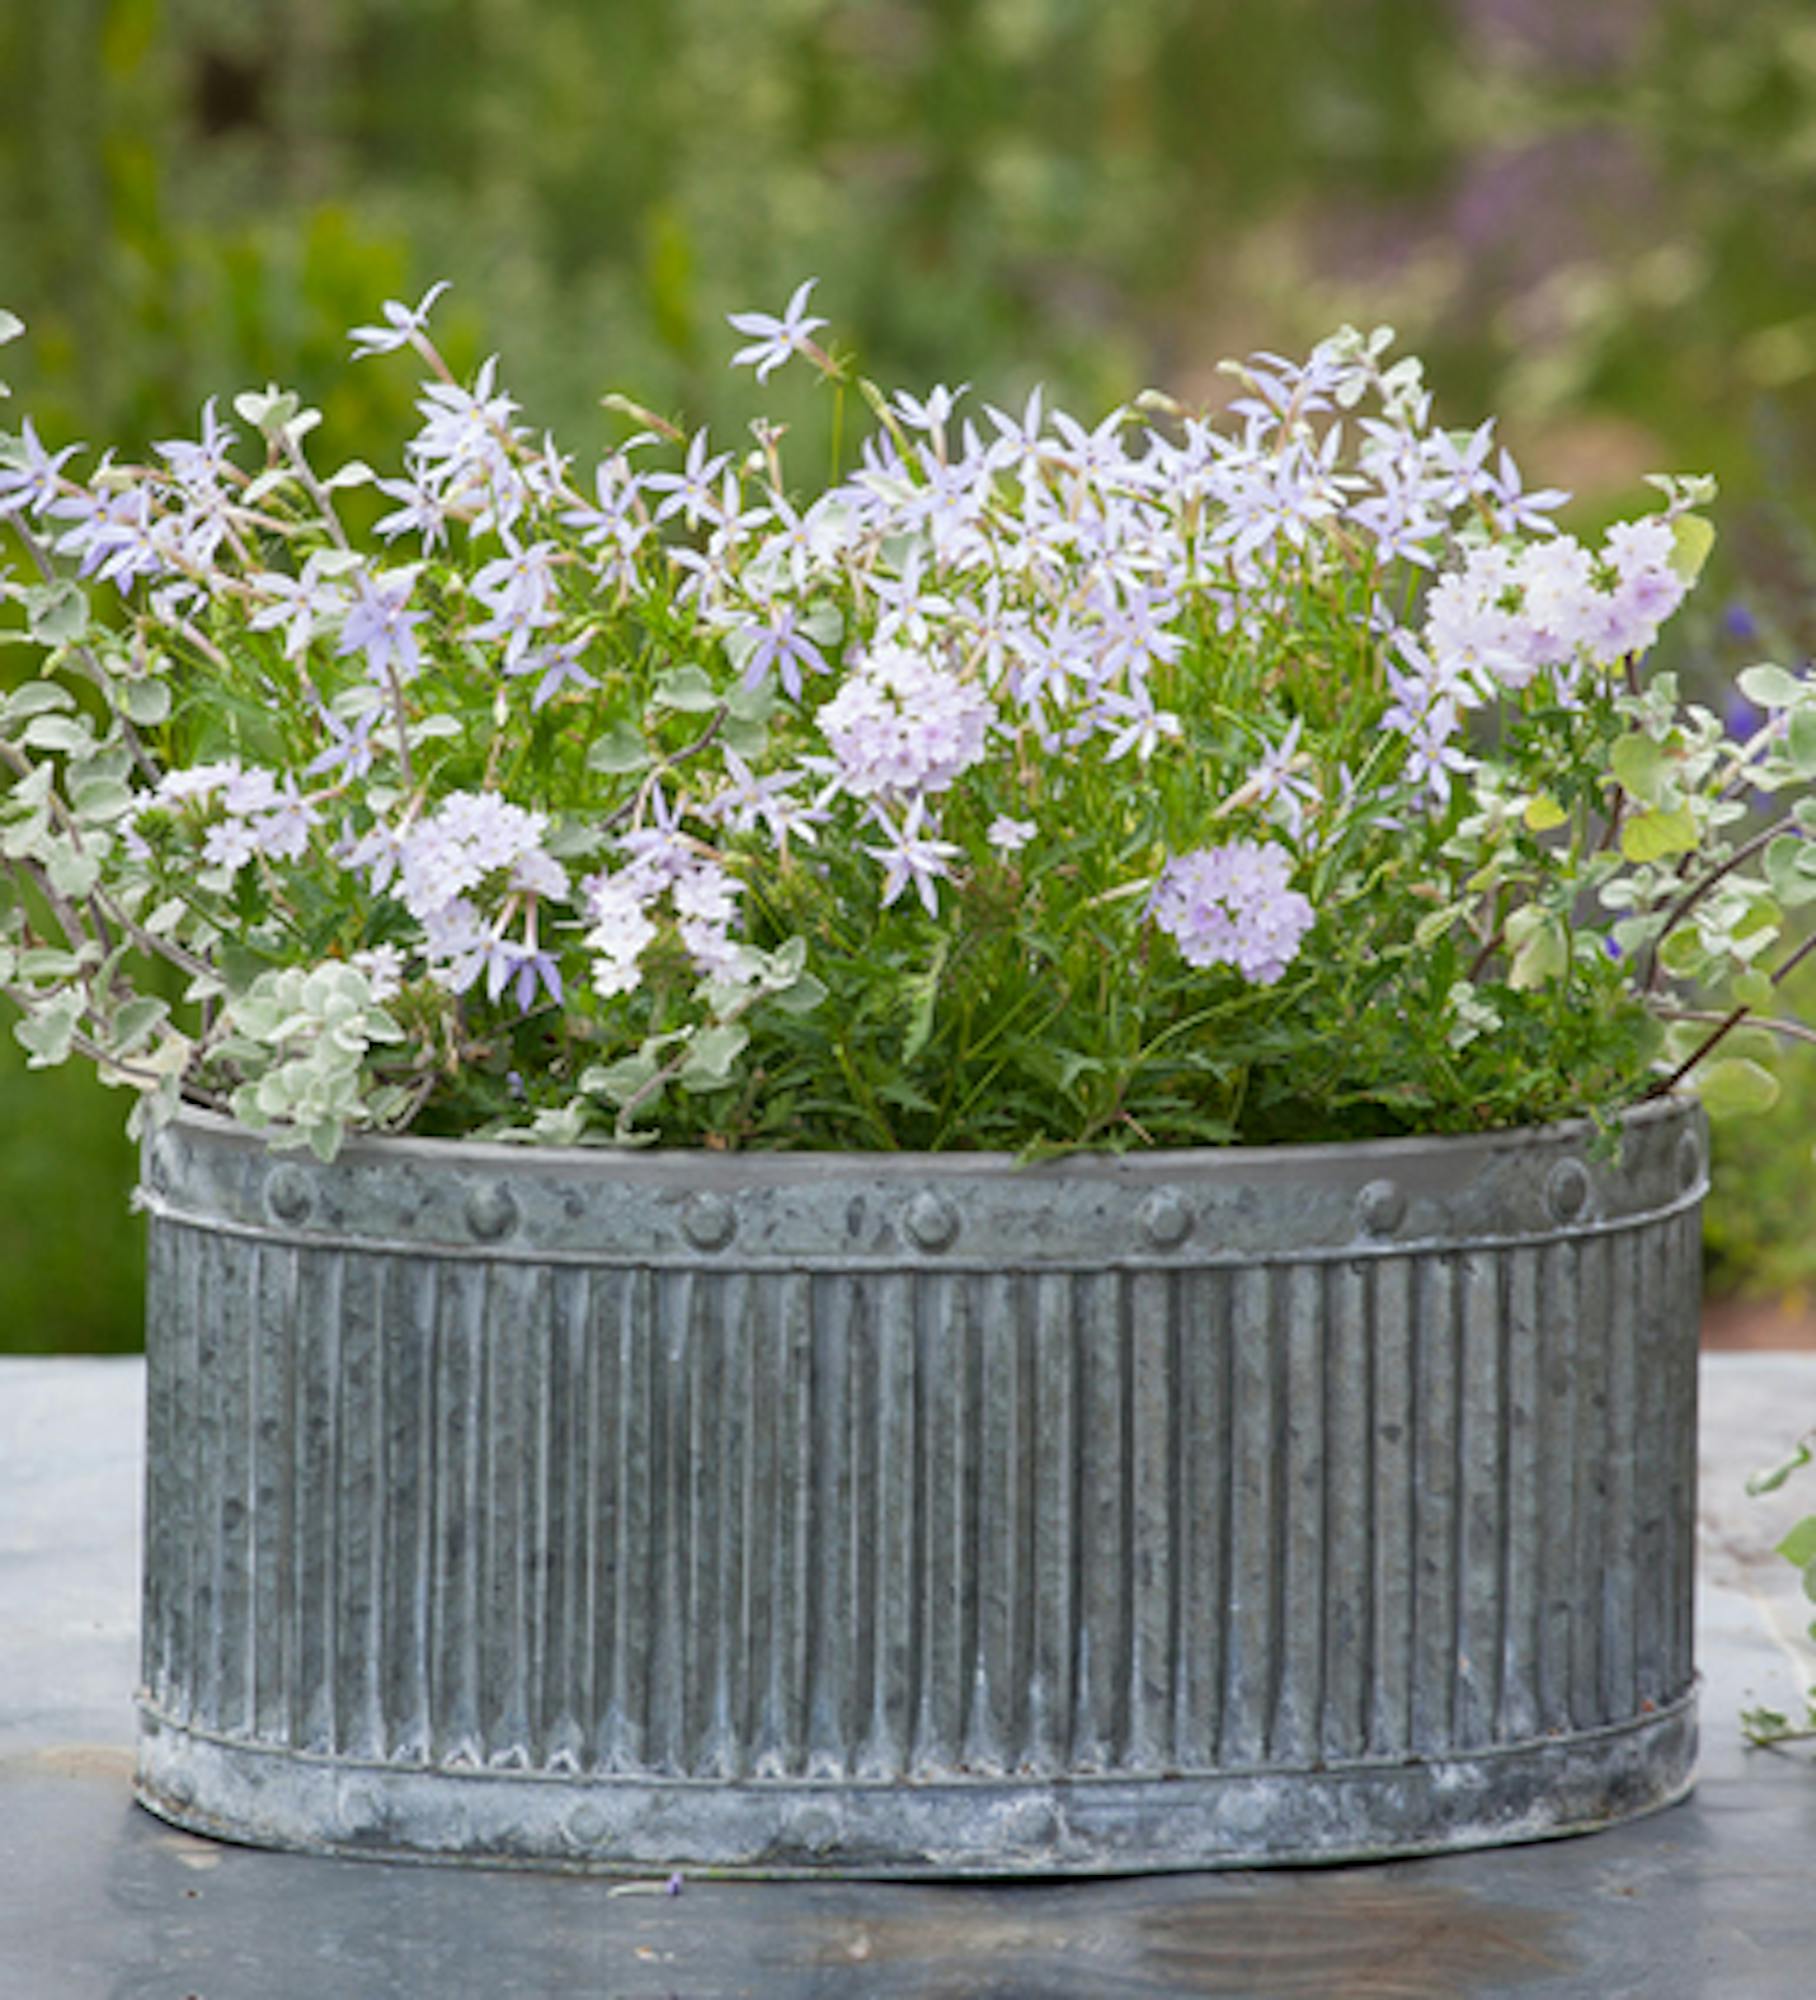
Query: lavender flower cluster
point(1231, 905)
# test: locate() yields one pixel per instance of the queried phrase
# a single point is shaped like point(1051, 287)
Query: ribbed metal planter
point(920, 1516)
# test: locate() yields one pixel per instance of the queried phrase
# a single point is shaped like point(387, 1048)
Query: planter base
point(980, 1827)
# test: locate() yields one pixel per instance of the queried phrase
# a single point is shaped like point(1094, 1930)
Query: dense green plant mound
point(1283, 775)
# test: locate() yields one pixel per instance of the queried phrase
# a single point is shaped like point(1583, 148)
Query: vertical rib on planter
point(920, 1516)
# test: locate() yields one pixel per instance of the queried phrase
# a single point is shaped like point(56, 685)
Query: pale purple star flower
point(912, 858)
point(776, 339)
point(115, 536)
point(1019, 440)
point(1133, 723)
point(1277, 782)
point(691, 492)
point(1517, 511)
point(379, 626)
point(205, 463)
point(777, 644)
point(424, 511)
point(295, 605)
point(404, 326)
point(518, 589)
point(30, 475)
point(559, 668)
point(536, 968)
point(747, 800)
point(350, 749)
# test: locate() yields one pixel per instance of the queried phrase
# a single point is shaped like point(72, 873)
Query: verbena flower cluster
point(1279, 771)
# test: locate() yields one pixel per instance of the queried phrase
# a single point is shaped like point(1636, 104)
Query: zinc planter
point(920, 1515)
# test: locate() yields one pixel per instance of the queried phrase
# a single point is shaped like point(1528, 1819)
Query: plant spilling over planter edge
point(1274, 775)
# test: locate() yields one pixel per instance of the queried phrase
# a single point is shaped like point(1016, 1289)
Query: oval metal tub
point(933, 1516)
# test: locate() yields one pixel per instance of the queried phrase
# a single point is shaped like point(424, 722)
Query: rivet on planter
point(1166, 1219)
point(288, 1194)
point(1567, 1190)
point(708, 1221)
point(932, 1220)
point(1380, 1208)
point(1689, 1161)
point(813, 1829)
point(491, 1213)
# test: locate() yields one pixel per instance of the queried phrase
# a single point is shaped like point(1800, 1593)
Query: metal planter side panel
point(1181, 1514)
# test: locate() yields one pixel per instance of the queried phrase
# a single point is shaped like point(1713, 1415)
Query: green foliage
point(1024, 1004)
point(1798, 1547)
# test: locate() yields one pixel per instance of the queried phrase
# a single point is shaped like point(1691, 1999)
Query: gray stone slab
point(98, 1901)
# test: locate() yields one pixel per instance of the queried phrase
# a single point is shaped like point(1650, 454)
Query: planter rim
point(811, 1163)
point(827, 1211)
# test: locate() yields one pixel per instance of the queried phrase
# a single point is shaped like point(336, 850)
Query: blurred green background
point(1595, 221)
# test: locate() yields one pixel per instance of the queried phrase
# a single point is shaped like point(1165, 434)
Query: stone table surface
point(99, 1901)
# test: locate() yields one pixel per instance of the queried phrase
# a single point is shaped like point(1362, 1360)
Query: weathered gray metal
point(886, 1515)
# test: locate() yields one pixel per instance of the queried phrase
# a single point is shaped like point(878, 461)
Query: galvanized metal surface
point(897, 1516)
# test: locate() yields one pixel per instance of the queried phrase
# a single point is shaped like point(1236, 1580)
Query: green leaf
point(751, 704)
point(620, 751)
point(1735, 1087)
point(145, 702)
point(619, 1082)
point(1767, 686)
point(46, 1036)
point(35, 698)
point(1651, 836)
point(923, 993)
point(802, 997)
point(1753, 988)
point(572, 839)
point(749, 739)
point(58, 612)
point(711, 1054)
point(1540, 949)
point(58, 732)
point(72, 871)
point(1639, 763)
point(25, 839)
point(825, 623)
point(135, 1022)
point(1543, 813)
point(1775, 1476)
point(268, 412)
point(1761, 914)
point(101, 799)
point(1800, 740)
point(1693, 538)
point(1791, 870)
point(1799, 1544)
point(1682, 952)
point(686, 688)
